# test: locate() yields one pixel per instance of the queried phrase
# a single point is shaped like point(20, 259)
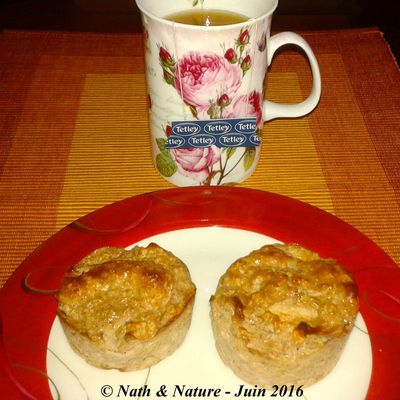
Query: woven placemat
point(74, 133)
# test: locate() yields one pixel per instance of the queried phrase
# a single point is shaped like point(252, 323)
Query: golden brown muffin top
point(118, 295)
point(287, 287)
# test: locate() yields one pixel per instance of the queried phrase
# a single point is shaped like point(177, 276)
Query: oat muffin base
point(126, 309)
point(282, 315)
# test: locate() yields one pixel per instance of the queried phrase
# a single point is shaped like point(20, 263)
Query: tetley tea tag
point(232, 132)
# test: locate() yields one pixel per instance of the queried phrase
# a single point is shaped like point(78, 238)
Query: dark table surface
point(108, 16)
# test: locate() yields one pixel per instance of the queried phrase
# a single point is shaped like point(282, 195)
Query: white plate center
point(207, 252)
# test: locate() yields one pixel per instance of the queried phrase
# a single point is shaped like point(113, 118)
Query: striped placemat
point(74, 133)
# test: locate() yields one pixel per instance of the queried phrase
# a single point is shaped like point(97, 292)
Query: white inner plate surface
point(207, 252)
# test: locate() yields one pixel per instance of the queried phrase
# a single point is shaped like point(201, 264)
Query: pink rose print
point(247, 106)
point(209, 83)
point(231, 56)
point(246, 64)
point(194, 163)
point(199, 77)
point(224, 101)
point(168, 130)
point(244, 37)
point(166, 60)
point(168, 77)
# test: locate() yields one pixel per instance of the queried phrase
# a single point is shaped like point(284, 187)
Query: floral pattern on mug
point(250, 105)
point(208, 84)
point(196, 163)
point(201, 77)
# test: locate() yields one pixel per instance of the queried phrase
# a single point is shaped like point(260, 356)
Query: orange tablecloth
point(74, 133)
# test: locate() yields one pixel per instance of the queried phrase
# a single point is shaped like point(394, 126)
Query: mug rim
point(163, 20)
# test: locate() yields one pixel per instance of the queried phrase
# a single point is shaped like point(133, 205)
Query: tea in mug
point(204, 17)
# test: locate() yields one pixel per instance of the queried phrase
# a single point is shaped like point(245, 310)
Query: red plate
point(27, 317)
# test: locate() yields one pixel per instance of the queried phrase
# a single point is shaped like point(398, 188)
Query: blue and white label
point(233, 132)
point(255, 139)
point(185, 128)
point(175, 142)
point(233, 140)
point(218, 127)
point(201, 140)
point(246, 126)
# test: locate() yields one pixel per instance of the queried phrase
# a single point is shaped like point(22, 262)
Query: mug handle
point(273, 110)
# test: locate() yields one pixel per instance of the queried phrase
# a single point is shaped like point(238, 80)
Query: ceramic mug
point(206, 89)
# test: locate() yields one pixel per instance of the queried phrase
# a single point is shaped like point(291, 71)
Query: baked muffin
point(281, 315)
point(126, 309)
